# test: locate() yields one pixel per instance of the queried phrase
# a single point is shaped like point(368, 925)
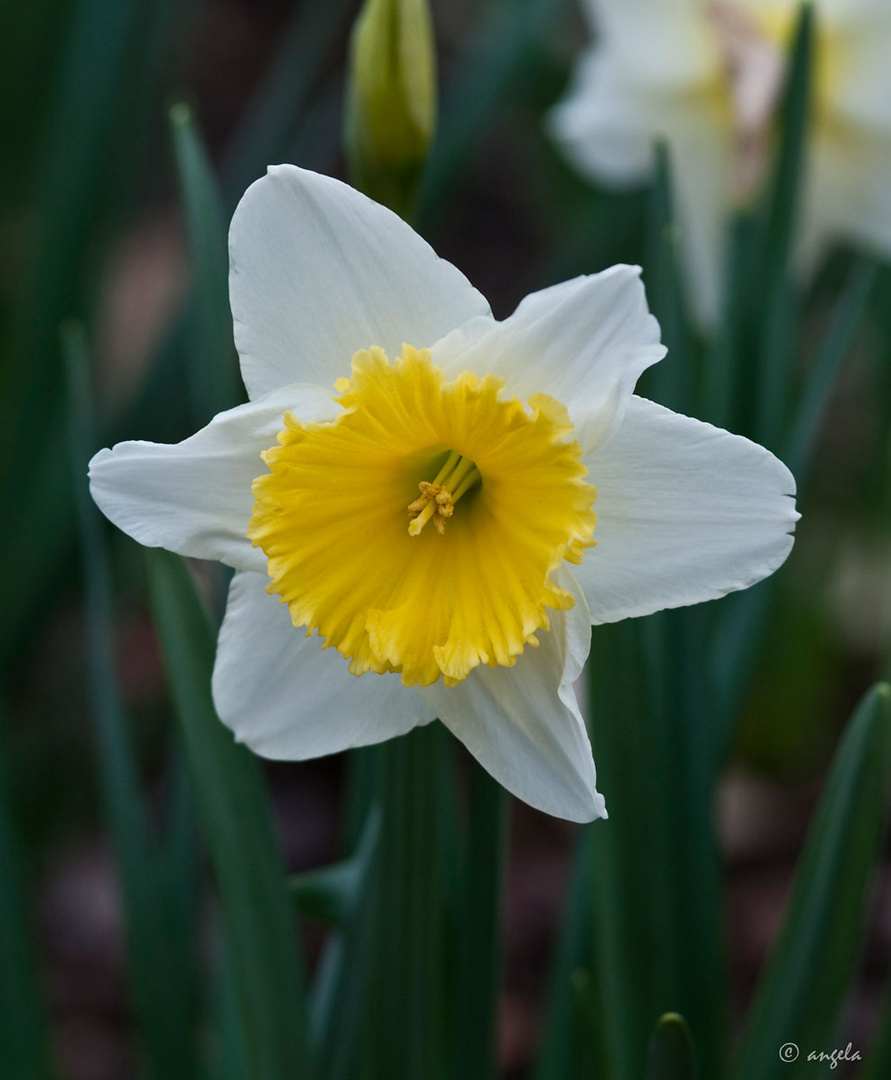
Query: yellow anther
point(437, 500)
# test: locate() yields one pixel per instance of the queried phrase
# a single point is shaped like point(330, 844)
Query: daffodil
point(426, 508)
point(706, 75)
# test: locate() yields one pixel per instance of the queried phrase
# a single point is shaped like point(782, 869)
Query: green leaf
point(215, 382)
point(23, 1028)
point(158, 951)
point(655, 872)
point(671, 381)
point(398, 1028)
point(672, 1053)
point(102, 75)
point(480, 80)
point(727, 378)
point(735, 643)
point(574, 1040)
point(810, 968)
point(822, 377)
point(236, 822)
point(407, 914)
point(877, 1064)
point(279, 105)
point(326, 893)
point(344, 977)
point(775, 311)
point(480, 927)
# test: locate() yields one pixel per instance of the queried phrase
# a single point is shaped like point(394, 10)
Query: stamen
point(437, 501)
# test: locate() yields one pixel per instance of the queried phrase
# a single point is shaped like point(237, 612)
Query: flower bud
point(391, 103)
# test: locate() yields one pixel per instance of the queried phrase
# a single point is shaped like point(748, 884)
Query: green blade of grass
point(394, 961)
point(480, 79)
point(342, 979)
point(805, 424)
point(811, 966)
point(23, 1029)
point(672, 1052)
point(776, 301)
point(877, 1063)
point(655, 869)
point(404, 1029)
point(736, 639)
point(213, 371)
point(480, 926)
point(574, 1039)
point(158, 953)
point(671, 381)
point(726, 389)
point(103, 72)
point(326, 894)
point(282, 99)
point(236, 822)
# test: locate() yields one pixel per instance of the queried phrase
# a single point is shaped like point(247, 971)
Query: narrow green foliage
point(670, 382)
point(158, 952)
point(826, 367)
point(655, 868)
point(230, 1057)
point(480, 927)
point(494, 59)
point(811, 966)
point(776, 307)
point(23, 1031)
point(407, 915)
point(728, 362)
point(733, 653)
point(100, 75)
point(672, 1052)
point(266, 131)
point(343, 976)
point(326, 894)
point(877, 1061)
point(574, 1040)
point(237, 826)
point(213, 370)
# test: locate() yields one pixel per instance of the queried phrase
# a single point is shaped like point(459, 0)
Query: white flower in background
point(433, 520)
point(706, 76)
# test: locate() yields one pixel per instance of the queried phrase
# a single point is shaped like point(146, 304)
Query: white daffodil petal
point(584, 342)
point(318, 271)
point(685, 513)
point(195, 497)
point(523, 723)
point(287, 697)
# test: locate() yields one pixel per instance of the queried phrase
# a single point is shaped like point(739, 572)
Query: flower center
point(346, 543)
point(438, 497)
